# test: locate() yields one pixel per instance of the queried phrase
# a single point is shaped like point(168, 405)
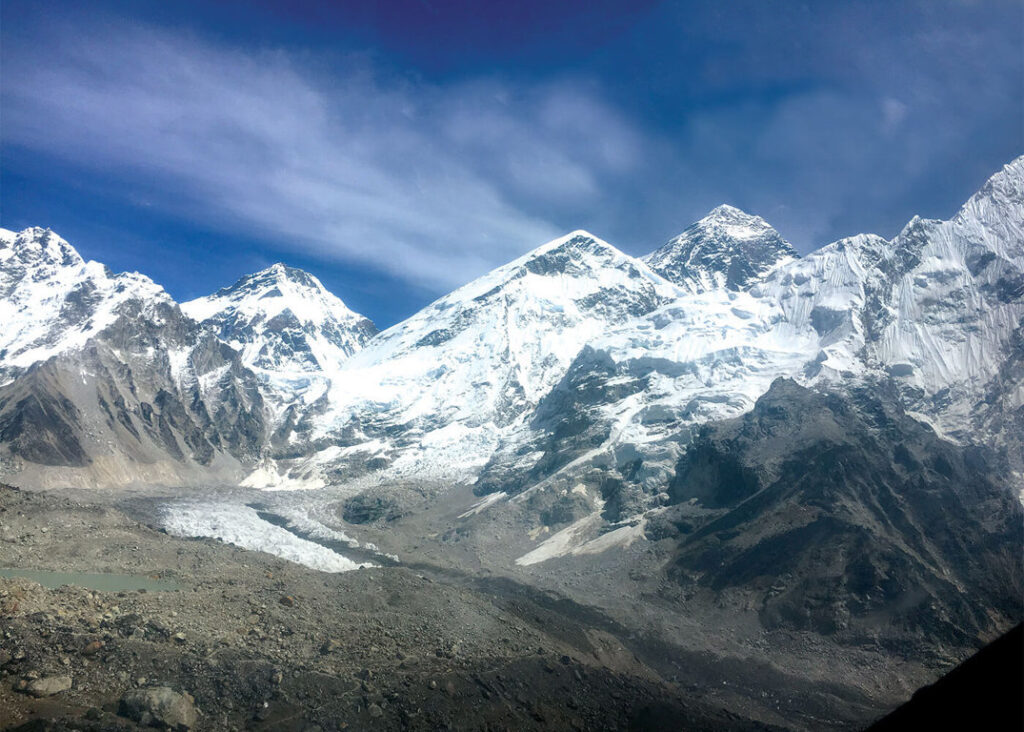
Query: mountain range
point(570, 364)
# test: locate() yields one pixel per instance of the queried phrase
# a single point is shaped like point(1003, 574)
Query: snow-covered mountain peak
point(273, 282)
point(281, 272)
point(51, 300)
point(1004, 185)
point(578, 253)
point(579, 240)
point(994, 216)
point(283, 320)
point(577, 256)
point(728, 248)
point(565, 281)
point(576, 249)
point(734, 221)
point(36, 247)
point(435, 394)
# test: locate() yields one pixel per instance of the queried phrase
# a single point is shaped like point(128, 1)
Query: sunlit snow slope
point(433, 396)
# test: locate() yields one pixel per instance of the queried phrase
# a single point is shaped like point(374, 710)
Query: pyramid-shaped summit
point(284, 320)
point(728, 249)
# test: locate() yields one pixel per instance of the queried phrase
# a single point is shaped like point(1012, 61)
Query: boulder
point(159, 707)
point(48, 685)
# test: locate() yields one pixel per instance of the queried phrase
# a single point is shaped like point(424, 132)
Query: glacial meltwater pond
point(100, 582)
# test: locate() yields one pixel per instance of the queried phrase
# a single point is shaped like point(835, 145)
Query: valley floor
point(261, 643)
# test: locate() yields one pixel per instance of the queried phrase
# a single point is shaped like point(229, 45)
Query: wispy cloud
point(431, 184)
point(827, 121)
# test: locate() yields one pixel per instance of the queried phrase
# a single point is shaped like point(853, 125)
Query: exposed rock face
point(118, 387)
point(839, 513)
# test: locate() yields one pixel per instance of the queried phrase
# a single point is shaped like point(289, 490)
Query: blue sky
point(399, 149)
